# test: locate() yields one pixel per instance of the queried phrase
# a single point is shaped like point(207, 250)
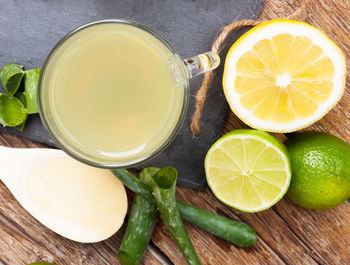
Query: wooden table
point(287, 234)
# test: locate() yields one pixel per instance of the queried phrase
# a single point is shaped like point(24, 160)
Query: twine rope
point(217, 46)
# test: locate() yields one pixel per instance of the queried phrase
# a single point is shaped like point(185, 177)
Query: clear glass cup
point(182, 70)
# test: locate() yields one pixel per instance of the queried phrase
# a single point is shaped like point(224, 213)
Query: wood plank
point(331, 17)
point(337, 27)
point(24, 240)
point(326, 233)
point(287, 234)
point(281, 238)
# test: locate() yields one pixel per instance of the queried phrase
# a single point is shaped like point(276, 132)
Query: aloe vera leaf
point(142, 220)
point(10, 76)
point(12, 111)
point(164, 183)
point(235, 232)
point(133, 183)
point(22, 98)
point(31, 79)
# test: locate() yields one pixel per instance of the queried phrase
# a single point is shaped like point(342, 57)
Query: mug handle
point(202, 63)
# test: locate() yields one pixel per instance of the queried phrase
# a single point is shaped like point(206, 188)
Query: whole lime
point(320, 170)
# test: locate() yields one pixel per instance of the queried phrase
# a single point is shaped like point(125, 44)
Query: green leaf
point(21, 96)
point(11, 76)
point(31, 80)
point(12, 111)
point(21, 126)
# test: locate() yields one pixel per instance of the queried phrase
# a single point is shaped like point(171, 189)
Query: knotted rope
point(208, 76)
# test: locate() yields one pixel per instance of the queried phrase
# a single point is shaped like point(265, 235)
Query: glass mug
point(114, 93)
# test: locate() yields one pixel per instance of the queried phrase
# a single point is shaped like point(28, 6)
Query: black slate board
point(30, 28)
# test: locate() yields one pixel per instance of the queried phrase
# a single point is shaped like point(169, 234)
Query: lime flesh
point(248, 170)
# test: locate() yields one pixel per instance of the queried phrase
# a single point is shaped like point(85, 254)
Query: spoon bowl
point(77, 201)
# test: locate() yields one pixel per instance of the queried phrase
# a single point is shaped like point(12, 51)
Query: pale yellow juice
point(113, 92)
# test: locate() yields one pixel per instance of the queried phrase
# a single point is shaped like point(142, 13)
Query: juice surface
point(113, 93)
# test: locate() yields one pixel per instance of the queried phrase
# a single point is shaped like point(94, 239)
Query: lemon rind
point(324, 108)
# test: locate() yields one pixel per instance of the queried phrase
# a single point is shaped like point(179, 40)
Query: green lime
point(248, 170)
point(320, 170)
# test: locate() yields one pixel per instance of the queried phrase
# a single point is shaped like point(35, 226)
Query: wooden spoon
point(80, 202)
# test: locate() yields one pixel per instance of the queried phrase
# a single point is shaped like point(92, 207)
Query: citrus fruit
point(283, 75)
point(320, 170)
point(248, 170)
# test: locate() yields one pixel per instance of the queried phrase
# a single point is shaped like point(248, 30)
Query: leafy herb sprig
point(20, 98)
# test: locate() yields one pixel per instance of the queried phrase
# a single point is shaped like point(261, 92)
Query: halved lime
point(248, 170)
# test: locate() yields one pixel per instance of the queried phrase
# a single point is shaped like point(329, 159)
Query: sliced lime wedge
point(248, 170)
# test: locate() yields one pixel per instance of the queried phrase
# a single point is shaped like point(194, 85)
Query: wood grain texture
point(24, 240)
point(287, 234)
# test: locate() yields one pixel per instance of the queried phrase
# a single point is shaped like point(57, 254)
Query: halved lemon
point(248, 170)
point(283, 75)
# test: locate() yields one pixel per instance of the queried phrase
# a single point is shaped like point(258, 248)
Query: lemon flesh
point(283, 75)
point(248, 170)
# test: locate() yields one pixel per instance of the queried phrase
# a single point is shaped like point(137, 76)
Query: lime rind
point(270, 142)
point(321, 170)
